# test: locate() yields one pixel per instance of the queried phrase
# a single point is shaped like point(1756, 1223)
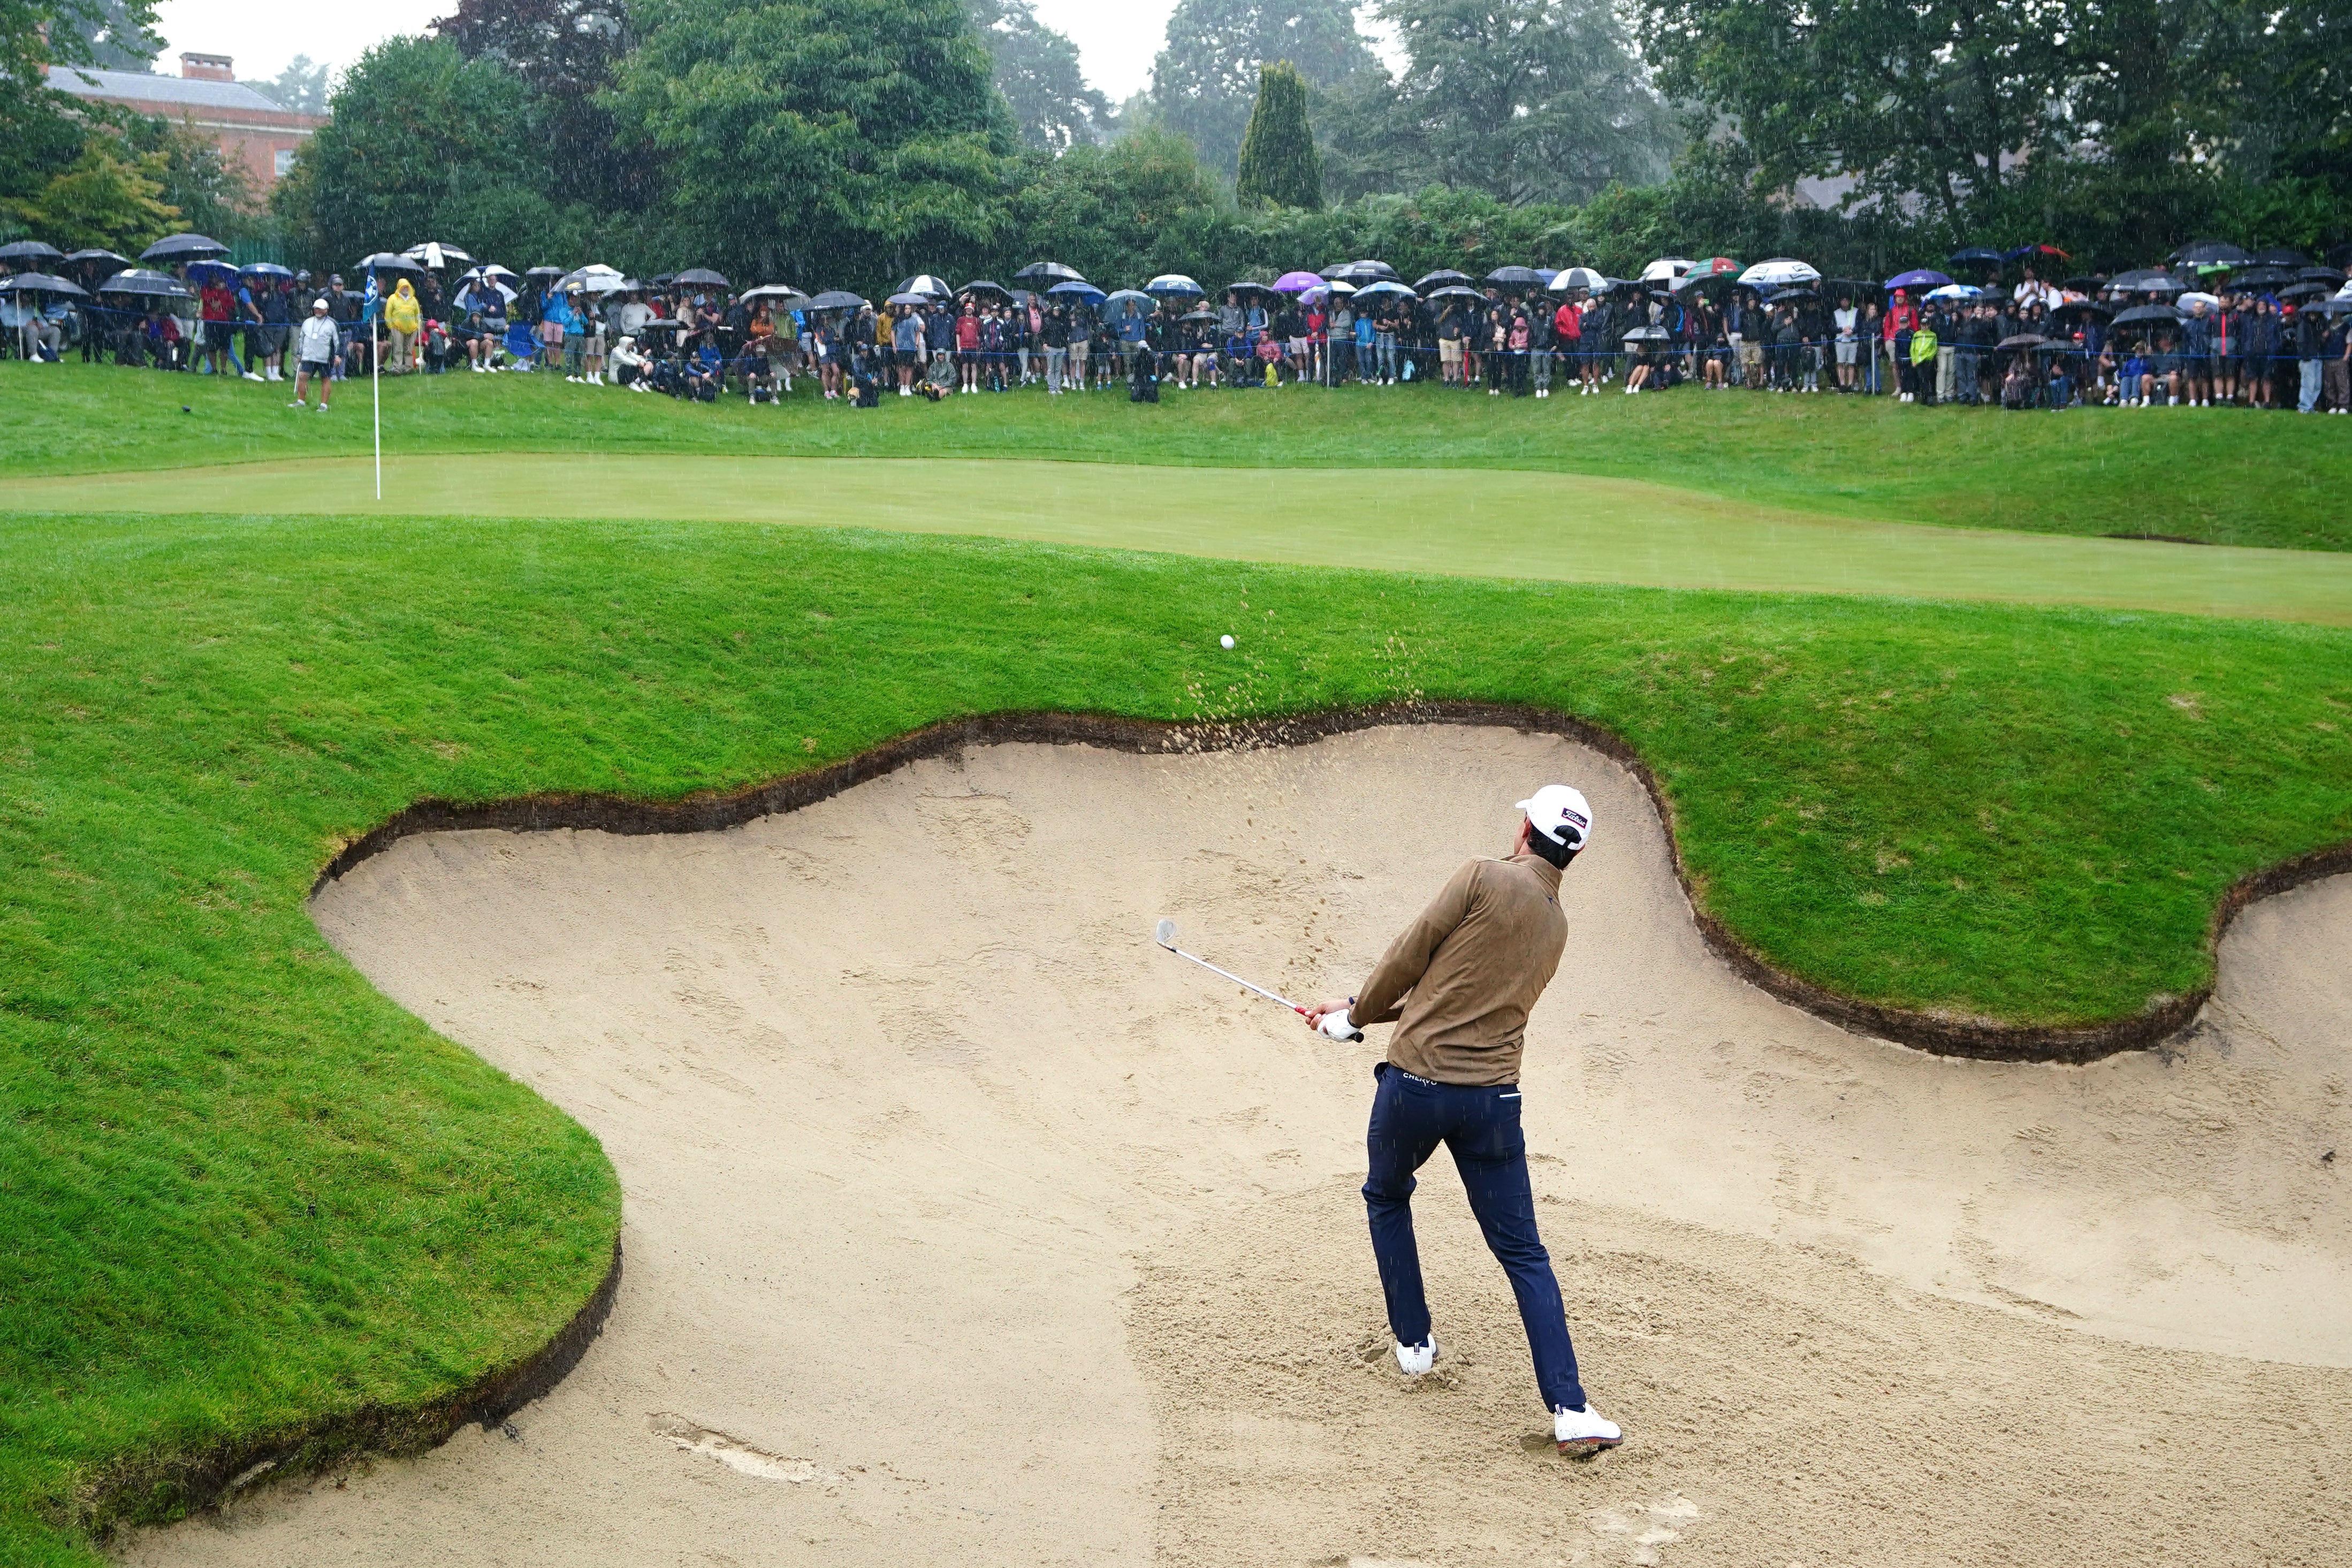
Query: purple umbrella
point(1919, 278)
point(1297, 282)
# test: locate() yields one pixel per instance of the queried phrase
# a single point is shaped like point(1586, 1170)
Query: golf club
point(1165, 936)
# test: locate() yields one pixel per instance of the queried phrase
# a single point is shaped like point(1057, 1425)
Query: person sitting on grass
point(629, 366)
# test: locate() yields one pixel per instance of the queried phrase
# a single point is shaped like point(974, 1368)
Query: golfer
point(1459, 984)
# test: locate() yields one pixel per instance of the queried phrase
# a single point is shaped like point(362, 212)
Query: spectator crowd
point(2213, 326)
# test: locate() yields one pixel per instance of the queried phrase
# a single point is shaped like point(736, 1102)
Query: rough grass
point(2025, 814)
point(2220, 476)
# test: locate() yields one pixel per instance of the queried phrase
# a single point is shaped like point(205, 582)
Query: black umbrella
point(2319, 275)
point(1440, 279)
point(2261, 277)
point(2023, 341)
point(1245, 287)
point(1516, 277)
point(94, 256)
point(1198, 316)
point(183, 248)
point(2340, 257)
point(2081, 308)
point(1363, 272)
point(2150, 315)
point(40, 283)
point(553, 272)
point(2147, 280)
point(983, 285)
point(1454, 291)
point(2211, 253)
point(1648, 335)
point(2280, 256)
point(1790, 296)
point(141, 281)
point(1976, 253)
point(1048, 272)
point(2305, 292)
point(31, 250)
point(835, 299)
point(2090, 283)
point(702, 278)
point(392, 261)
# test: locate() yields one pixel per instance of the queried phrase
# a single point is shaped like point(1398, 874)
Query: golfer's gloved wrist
point(1339, 1027)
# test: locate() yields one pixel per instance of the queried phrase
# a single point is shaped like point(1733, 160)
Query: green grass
point(2019, 813)
point(2220, 476)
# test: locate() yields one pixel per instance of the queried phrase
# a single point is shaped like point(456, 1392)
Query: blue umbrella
point(1918, 278)
point(206, 272)
point(1173, 283)
point(1132, 297)
point(1076, 288)
point(1386, 286)
point(265, 270)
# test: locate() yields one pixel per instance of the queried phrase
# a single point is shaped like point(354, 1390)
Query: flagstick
point(376, 383)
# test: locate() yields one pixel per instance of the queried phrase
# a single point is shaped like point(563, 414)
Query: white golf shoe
point(1583, 1431)
point(1415, 1359)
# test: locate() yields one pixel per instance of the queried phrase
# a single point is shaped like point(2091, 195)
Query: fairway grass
point(1473, 522)
point(2218, 476)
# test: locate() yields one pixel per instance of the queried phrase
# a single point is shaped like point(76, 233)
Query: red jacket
point(1903, 318)
point(1568, 323)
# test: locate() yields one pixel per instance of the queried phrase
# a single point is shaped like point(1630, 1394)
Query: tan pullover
point(1460, 979)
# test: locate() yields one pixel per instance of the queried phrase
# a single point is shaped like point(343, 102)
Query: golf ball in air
point(1226, 640)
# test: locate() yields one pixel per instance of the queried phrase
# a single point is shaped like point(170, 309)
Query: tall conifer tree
point(1279, 163)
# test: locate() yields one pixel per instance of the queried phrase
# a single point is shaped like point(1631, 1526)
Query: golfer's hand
point(1321, 1010)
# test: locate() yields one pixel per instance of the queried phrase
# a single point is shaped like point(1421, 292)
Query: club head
point(1165, 933)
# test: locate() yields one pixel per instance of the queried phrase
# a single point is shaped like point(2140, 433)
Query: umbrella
point(181, 247)
point(86, 257)
point(1455, 292)
point(1048, 272)
point(209, 272)
point(141, 280)
point(1387, 288)
point(1198, 316)
point(593, 279)
point(2211, 252)
point(490, 269)
point(1975, 254)
point(925, 283)
point(1173, 283)
point(435, 253)
point(2280, 257)
point(544, 272)
point(836, 300)
point(2023, 251)
point(1955, 291)
point(31, 250)
point(2089, 283)
point(1339, 286)
point(1075, 288)
point(264, 269)
point(983, 285)
point(40, 283)
point(2147, 280)
point(2081, 308)
point(2147, 315)
point(1918, 278)
point(1440, 279)
point(1244, 287)
point(907, 298)
point(1790, 296)
point(1515, 277)
point(386, 261)
point(2261, 278)
point(2339, 256)
point(2022, 341)
point(782, 293)
point(1648, 335)
point(1583, 278)
point(2207, 300)
point(1132, 297)
point(1295, 282)
point(1851, 286)
point(1707, 271)
point(1780, 271)
point(2305, 291)
point(2319, 275)
point(702, 278)
point(1665, 269)
point(1361, 272)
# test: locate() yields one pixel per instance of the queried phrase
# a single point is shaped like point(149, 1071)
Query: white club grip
point(1339, 1026)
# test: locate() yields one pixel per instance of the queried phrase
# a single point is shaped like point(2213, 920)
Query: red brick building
point(250, 127)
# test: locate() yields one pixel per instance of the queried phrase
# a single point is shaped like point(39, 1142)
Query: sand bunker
point(963, 1224)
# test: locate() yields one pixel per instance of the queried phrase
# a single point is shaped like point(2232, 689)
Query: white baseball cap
point(1560, 814)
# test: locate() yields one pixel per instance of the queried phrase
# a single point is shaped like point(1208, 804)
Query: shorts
point(313, 367)
point(219, 334)
point(273, 338)
point(1846, 348)
point(1299, 348)
point(1449, 350)
point(551, 333)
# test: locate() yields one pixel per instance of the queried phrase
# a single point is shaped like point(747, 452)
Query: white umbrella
point(593, 279)
point(1779, 273)
point(1955, 291)
point(1574, 278)
point(2207, 300)
point(1665, 269)
point(435, 254)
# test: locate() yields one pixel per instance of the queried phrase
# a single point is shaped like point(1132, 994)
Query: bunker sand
point(963, 1224)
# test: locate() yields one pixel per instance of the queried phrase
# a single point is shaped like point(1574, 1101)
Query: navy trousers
point(1410, 1117)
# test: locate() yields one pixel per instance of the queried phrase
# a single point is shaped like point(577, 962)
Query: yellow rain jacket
point(401, 313)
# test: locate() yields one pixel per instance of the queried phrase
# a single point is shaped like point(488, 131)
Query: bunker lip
point(1986, 1041)
point(154, 1490)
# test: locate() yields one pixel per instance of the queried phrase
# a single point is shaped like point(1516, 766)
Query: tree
point(301, 87)
point(1123, 211)
point(121, 34)
point(1204, 82)
point(43, 130)
point(1039, 73)
point(427, 144)
point(565, 51)
point(1525, 100)
point(821, 139)
point(100, 199)
point(1278, 161)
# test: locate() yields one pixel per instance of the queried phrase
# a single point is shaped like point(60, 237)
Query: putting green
point(1470, 523)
